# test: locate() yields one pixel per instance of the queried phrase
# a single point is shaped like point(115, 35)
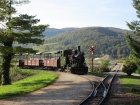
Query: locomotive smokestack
point(79, 49)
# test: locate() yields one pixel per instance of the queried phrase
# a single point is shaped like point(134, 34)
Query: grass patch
point(18, 74)
point(29, 84)
point(129, 82)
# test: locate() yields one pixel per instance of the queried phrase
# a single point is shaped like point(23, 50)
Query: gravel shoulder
point(68, 89)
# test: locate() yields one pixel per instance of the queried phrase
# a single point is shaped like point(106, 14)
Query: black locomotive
point(76, 61)
point(71, 59)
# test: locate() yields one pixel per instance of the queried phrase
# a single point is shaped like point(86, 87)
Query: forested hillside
point(49, 32)
point(107, 40)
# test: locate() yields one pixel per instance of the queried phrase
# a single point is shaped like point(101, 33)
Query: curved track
point(99, 93)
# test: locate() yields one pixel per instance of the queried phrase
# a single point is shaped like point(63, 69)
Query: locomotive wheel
point(82, 70)
point(73, 70)
point(86, 70)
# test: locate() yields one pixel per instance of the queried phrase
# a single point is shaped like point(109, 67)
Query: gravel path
point(69, 89)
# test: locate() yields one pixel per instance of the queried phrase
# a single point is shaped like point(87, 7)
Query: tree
point(134, 40)
point(20, 29)
point(129, 67)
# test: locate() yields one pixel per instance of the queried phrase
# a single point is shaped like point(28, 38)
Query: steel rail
point(108, 89)
point(94, 92)
point(101, 83)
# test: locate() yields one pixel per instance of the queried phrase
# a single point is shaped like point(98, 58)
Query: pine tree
point(20, 29)
point(134, 40)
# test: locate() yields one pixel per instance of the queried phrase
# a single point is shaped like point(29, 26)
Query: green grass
point(129, 82)
point(29, 84)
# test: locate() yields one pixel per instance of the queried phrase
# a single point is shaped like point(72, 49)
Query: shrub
point(138, 70)
point(129, 67)
point(104, 66)
point(104, 69)
point(95, 68)
point(104, 63)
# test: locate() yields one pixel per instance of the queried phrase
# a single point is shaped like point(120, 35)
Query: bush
point(104, 63)
point(104, 66)
point(104, 69)
point(129, 67)
point(100, 69)
point(95, 69)
point(138, 70)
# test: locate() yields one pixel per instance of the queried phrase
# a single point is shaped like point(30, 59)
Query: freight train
point(71, 58)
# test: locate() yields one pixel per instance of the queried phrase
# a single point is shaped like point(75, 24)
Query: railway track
point(119, 66)
point(100, 92)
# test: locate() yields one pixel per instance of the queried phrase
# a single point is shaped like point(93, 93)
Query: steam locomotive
point(71, 58)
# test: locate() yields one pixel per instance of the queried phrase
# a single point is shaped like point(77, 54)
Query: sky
point(81, 13)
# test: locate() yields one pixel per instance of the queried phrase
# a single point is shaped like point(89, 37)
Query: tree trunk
point(5, 77)
point(129, 74)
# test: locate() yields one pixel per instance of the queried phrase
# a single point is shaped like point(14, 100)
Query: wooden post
point(92, 61)
point(92, 50)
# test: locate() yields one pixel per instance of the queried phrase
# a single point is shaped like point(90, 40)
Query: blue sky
point(81, 13)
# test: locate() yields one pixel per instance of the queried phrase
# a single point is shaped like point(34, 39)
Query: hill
point(49, 32)
point(107, 40)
